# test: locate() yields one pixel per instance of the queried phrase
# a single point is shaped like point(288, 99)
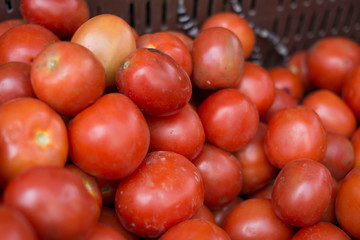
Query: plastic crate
point(297, 23)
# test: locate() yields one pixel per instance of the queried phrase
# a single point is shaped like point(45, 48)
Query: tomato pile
point(108, 134)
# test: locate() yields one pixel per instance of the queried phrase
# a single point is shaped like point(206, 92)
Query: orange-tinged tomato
point(110, 38)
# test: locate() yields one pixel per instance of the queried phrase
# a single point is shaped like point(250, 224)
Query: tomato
point(184, 38)
point(284, 79)
point(297, 64)
point(229, 118)
point(24, 42)
point(347, 203)
point(14, 225)
point(9, 23)
point(355, 140)
point(334, 113)
point(302, 192)
point(164, 190)
point(256, 168)
point(221, 213)
point(195, 229)
point(157, 84)
point(100, 231)
point(68, 77)
point(329, 214)
point(236, 24)
point(110, 38)
point(257, 84)
point(31, 133)
point(218, 59)
point(264, 192)
point(181, 132)
point(54, 200)
point(321, 231)
point(255, 219)
point(63, 19)
point(331, 60)
point(292, 133)
point(221, 173)
point(351, 91)
point(15, 81)
point(204, 213)
point(110, 138)
point(108, 189)
point(168, 44)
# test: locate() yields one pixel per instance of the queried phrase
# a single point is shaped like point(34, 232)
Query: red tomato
point(334, 113)
point(68, 77)
point(54, 200)
point(321, 231)
point(221, 173)
point(31, 133)
point(154, 81)
point(181, 132)
point(355, 140)
point(110, 138)
point(302, 192)
point(24, 42)
point(331, 60)
point(257, 84)
point(204, 213)
point(195, 229)
point(100, 231)
point(255, 219)
point(221, 213)
point(297, 64)
point(236, 24)
point(351, 92)
point(9, 23)
point(184, 38)
point(347, 203)
point(168, 44)
point(15, 81)
point(256, 168)
point(218, 59)
point(329, 214)
point(292, 133)
point(108, 189)
point(110, 38)
point(264, 192)
point(166, 189)
point(229, 118)
point(61, 17)
point(14, 225)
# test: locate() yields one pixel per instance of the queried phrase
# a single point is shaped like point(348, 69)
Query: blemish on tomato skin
point(125, 65)
point(42, 139)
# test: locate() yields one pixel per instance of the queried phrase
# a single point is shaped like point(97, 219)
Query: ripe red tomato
point(9, 23)
point(54, 200)
point(68, 77)
point(297, 64)
point(292, 133)
point(108, 189)
point(236, 24)
point(329, 214)
point(165, 189)
point(195, 229)
point(204, 213)
point(100, 231)
point(184, 38)
point(110, 138)
point(220, 214)
point(331, 60)
point(15, 81)
point(351, 92)
point(110, 38)
point(257, 84)
point(321, 231)
point(256, 219)
point(355, 140)
point(168, 44)
point(218, 59)
point(31, 133)
point(221, 173)
point(229, 118)
point(24, 42)
point(154, 81)
point(181, 132)
point(302, 192)
point(61, 17)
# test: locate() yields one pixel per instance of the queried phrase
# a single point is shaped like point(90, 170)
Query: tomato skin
point(255, 219)
point(355, 141)
point(229, 118)
point(64, 18)
point(195, 229)
point(292, 133)
point(204, 213)
point(184, 38)
point(30, 38)
point(220, 214)
point(297, 64)
point(31, 134)
point(44, 193)
point(68, 77)
point(110, 38)
point(302, 192)
point(9, 23)
point(110, 138)
point(157, 84)
point(108, 189)
point(218, 59)
point(14, 225)
point(321, 231)
point(15, 81)
point(351, 91)
point(163, 191)
point(331, 60)
point(100, 231)
point(168, 44)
